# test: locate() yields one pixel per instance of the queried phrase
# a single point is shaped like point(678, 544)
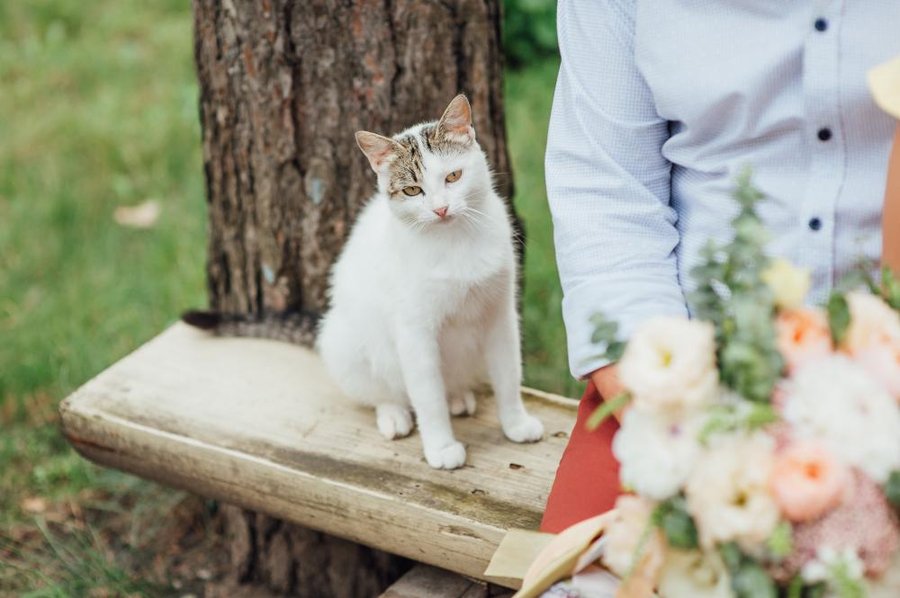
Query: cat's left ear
point(456, 122)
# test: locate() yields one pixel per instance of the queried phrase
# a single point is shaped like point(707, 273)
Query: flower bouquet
point(762, 439)
point(760, 443)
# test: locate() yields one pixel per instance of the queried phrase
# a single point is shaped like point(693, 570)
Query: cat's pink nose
point(441, 212)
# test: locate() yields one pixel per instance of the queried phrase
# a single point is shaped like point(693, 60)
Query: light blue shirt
point(659, 105)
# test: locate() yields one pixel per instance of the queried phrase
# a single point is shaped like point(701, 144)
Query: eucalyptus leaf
point(752, 581)
point(606, 409)
point(892, 489)
point(838, 317)
point(673, 518)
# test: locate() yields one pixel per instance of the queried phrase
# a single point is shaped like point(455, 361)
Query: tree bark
point(284, 84)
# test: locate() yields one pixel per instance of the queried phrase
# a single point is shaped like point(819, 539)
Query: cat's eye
point(453, 176)
point(412, 190)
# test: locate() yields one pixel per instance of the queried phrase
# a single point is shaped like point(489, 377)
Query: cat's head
point(433, 173)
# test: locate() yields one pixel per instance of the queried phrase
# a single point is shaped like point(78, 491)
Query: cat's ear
point(377, 148)
point(456, 122)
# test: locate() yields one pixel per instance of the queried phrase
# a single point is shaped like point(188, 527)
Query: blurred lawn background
point(99, 109)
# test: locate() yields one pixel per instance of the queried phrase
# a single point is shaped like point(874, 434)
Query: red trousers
point(587, 481)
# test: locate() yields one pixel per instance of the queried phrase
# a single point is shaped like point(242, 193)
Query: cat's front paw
point(394, 421)
point(450, 456)
point(525, 428)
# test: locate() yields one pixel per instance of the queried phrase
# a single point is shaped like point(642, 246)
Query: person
point(885, 83)
point(658, 106)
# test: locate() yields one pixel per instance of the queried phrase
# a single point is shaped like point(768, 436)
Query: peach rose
point(807, 481)
point(803, 336)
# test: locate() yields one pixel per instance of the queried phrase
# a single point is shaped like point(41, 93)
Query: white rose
point(670, 363)
point(694, 574)
point(728, 491)
point(656, 452)
point(836, 403)
point(789, 283)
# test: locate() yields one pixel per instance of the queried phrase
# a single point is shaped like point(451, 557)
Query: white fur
point(424, 309)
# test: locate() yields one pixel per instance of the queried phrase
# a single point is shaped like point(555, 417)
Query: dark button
point(815, 223)
point(824, 134)
point(821, 24)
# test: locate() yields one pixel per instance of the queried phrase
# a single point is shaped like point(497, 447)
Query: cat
point(423, 296)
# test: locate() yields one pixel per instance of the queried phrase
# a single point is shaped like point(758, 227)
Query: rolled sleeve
point(607, 182)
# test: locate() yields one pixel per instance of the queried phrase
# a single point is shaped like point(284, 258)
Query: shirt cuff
point(627, 302)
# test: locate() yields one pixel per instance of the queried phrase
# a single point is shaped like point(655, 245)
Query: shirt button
point(815, 223)
point(824, 134)
point(821, 24)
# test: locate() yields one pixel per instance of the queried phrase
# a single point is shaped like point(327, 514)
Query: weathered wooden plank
point(424, 580)
point(258, 424)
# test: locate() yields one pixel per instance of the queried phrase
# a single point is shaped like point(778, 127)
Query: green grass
point(99, 108)
point(528, 96)
point(99, 105)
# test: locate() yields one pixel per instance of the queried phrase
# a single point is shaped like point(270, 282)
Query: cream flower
point(835, 403)
point(789, 283)
point(871, 321)
point(670, 363)
point(627, 531)
point(728, 491)
point(656, 452)
point(882, 362)
point(694, 574)
point(873, 339)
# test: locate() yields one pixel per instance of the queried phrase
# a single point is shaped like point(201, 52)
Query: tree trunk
point(284, 84)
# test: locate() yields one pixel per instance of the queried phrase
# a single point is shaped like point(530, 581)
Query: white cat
point(423, 296)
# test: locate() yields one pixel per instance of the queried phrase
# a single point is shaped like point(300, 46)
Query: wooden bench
point(258, 424)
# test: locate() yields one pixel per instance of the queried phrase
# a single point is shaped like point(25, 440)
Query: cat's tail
point(296, 327)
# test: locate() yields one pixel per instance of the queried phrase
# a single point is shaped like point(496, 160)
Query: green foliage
point(843, 582)
point(731, 294)
point(838, 316)
point(892, 489)
point(529, 31)
point(606, 409)
point(673, 518)
point(781, 542)
point(748, 578)
point(890, 288)
point(729, 417)
point(99, 105)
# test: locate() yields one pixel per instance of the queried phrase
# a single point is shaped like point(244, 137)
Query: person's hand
point(606, 379)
